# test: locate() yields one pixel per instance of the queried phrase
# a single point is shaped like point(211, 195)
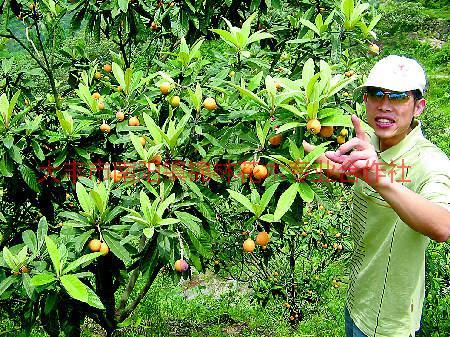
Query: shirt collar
point(398, 150)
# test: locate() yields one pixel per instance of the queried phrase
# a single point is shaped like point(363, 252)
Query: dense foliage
point(146, 138)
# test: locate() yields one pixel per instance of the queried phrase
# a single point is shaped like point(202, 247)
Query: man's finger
point(336, 157)
point(354, 143)
point(357, 156)
point(307, 146)
point(360, 134)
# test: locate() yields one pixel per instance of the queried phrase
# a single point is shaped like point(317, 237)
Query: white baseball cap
point(396, 73)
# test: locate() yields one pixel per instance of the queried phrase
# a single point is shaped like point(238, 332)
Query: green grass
point(166, 312)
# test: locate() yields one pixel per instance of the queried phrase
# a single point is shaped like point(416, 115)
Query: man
point(401, 200)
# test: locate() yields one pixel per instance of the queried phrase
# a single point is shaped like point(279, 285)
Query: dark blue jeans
point(351, 330)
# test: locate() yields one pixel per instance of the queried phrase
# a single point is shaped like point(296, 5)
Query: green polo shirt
point(387, 268)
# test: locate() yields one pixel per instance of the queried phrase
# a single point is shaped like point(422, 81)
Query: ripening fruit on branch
point(24, 269)
point(313, 126)
point(98, 75)
point(349, 73)
point(142, 141)
point(164, 88)
point(105, 128)
point(326, 131)
point(249, 245)
point(116, 176)
point(262, 238)
point(157, 159)
point(104, 249)
point(133, 121)
point(181, 266)
point(175, 101)
point(210, 103)
point(260, 172)
point(344, 132)
point(232, 73)
point(276, 139)
point(278, 86)
point(101, 105)
point(107, 67)
point(94, 245)
point(96, 95)
point(340, 139)
point(154, 26)
point(119, 88)
point(247, 167)
point(374, 50)
point(120, 115)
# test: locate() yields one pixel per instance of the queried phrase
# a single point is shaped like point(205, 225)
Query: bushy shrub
point(404, 16)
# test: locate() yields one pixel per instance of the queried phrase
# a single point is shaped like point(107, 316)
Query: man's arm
point(333, 170)
point(417, 212)
point(420, 214)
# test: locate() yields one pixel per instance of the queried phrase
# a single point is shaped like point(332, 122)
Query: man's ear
point(419, 107)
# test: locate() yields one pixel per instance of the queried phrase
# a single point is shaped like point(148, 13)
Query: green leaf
point(307, 72)
point(54, 254)
point(119, 75)
point(267, 196)
point(292, 109)
point(42, 279)
point(98, 201)
point(347, 7)
point(6, 283)
point(255, 81)
point(289, 126)
point(259, 36)
point(10, 259)
point(343, 120)
point(285, 201)
point(85, 259)
point(115, 247)
point(145, 206)
point(154, 129)
point(242, 199)
point(42, 231)
point(94, 300)
point(294, 151)
point(29, 289)
point(84, 199)
point(260, 134)
point(4, 105)
point(12, 104)
point(149, 232)
point(37, 150)
point(29, 177)
point(268, 218)
point(190, 221)
point(193, 186)
point(248, 94)
point(310, 25)
point(29, 238)
point(227, 37)
point(305, 191)
point(139, 148)
point(66, 121)
point(75, 288)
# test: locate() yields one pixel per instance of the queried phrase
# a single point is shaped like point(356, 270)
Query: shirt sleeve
point(436, 188)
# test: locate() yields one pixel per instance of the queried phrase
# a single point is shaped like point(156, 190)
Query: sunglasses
point(393, 96)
